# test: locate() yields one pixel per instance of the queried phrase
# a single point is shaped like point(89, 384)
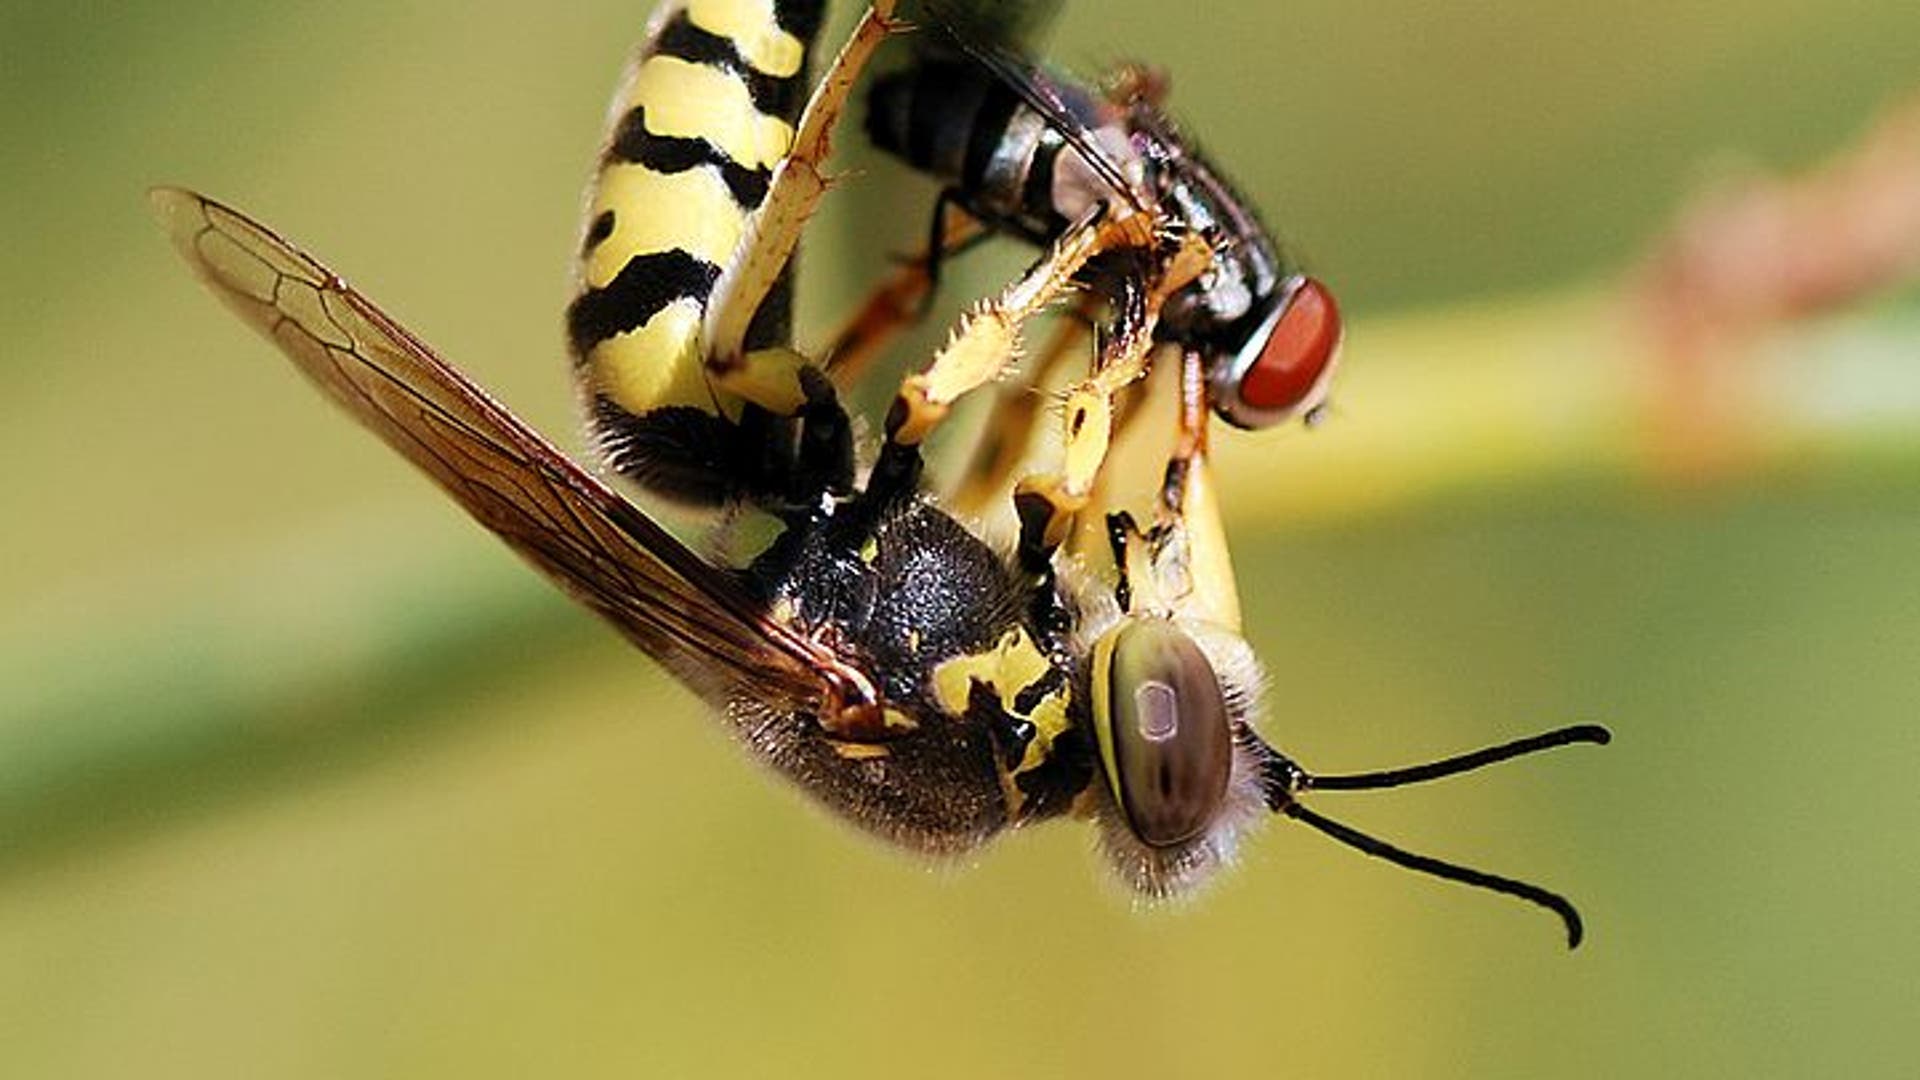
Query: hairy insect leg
point(1169, 551)
point(1193, 567)
point(986, 342)
point(779, 380)
point(770, 378)
point(989, 472)
point(896, 303)
point(1048, 503)
point(1190, 436)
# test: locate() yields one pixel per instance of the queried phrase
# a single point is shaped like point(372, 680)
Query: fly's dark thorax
point(1219, 311)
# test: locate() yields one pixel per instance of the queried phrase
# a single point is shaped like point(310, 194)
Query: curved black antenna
point(1284, 781)
point(1426, 864)
point(1434, 770)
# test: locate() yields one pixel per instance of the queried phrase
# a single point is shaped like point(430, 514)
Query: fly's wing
point(691, 616)
point(1002, 36)
point(1014, 25)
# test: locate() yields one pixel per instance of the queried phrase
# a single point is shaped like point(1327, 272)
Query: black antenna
point(1426, 864)
point(1434, 770)
point(1285, 781)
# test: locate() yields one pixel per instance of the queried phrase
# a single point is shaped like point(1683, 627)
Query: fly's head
point(1280, 368)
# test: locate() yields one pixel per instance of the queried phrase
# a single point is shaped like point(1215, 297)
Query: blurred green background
point(303, 775)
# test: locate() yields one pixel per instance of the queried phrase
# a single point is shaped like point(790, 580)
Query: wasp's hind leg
point(773, 230)
point(745, 329)
point(691, 224)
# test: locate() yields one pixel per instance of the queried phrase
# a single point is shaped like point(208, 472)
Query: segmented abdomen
point(704, 113)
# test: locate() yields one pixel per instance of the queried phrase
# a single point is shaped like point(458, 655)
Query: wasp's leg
point(986, 343)
point(989, 473)
point(703, 118)
point(896, 303)
point(1047, 504)
point(773, 230)
point(1181, 562)
point(1190, 442)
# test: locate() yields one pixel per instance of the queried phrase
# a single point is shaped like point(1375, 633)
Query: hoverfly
point(877, 652)
point(1029, 154)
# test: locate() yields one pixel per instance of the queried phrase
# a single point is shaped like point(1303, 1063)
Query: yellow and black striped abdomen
point(703, 115)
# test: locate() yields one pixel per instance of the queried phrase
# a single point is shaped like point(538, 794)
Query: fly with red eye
point(1027, 154)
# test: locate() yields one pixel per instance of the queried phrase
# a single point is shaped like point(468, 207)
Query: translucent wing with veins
point(698, 620)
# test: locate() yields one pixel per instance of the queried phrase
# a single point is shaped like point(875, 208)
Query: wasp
point(878, 653)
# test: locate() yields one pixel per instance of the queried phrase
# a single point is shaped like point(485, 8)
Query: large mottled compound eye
point(1283, 369)
point(1164, 733)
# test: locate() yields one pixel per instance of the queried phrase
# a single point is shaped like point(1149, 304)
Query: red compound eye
point(1297, 355)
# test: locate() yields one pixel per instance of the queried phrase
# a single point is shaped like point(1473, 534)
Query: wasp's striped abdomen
point(705, 112)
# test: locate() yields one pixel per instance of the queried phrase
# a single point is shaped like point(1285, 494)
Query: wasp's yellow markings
point(691, 210)
point(859, 751)
point(1049, 719)
point(693, 101)
point(1013, 664)
point(750, 25)
point(655, 366)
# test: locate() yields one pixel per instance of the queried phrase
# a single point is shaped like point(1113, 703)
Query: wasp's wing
point(693, 617)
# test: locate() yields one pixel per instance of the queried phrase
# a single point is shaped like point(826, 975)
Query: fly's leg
point(947, 236)
point(1190, 443)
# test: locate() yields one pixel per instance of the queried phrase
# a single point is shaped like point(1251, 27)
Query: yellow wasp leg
point(892, 306)
point(989, 473)
point(1179, 565)
point(1048, 504)
point(770, 378)
point(988, 338)
point(1088, 435)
